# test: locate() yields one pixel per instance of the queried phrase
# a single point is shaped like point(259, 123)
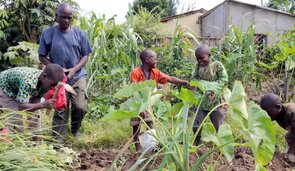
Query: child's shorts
point(136, 121)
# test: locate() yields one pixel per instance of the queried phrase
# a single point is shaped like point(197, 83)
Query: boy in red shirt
point(148, 71)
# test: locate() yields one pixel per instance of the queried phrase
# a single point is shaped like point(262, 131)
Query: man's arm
point(82, 62)
point(44, 60)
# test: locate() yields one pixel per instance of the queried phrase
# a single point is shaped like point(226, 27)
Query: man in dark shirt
point(67, 46)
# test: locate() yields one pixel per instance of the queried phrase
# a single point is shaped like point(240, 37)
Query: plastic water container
point(147, 140)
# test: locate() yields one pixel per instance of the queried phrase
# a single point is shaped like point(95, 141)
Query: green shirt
point(215, 74)
point(20, 83)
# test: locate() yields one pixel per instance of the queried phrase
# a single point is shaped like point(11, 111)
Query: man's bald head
point(64, 7)
point(64, 16)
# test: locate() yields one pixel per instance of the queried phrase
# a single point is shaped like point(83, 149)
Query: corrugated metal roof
point(201, 10)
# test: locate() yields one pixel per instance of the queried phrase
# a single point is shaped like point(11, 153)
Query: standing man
point(67, 46)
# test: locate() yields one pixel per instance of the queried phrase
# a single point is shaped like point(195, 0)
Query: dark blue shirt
point(65, 48)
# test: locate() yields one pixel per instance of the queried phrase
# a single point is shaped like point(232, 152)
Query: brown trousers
point(78, 104)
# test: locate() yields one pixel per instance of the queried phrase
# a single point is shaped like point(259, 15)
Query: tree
point(153, 6)
point(147, 25)
point(172, 7)
point(283, 5)
point(26, 19)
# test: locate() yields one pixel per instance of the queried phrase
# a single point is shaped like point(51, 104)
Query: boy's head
point(203, 55)
point(51, 75)
point(272, 104)
point(149, 58)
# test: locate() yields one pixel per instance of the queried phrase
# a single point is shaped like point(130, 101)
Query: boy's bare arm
point(179, 81)
point(35, 106)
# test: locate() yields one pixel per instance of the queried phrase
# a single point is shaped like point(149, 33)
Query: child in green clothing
point(213, 72)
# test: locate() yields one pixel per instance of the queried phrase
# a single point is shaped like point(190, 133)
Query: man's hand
point(71, 73)
point(65, 70)
point(49, 103)
point(187, 85)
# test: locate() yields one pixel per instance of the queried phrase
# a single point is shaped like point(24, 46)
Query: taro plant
point(254, 122)
point(174, 127)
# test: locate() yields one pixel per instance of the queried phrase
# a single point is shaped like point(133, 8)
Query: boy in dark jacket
point(284, 115)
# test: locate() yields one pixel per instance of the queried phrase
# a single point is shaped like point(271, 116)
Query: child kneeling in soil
point(21, 88)
point(211, 71)
point(148, 71)
point(284, 115)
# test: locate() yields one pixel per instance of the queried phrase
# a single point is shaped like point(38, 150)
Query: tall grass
point(115, 50)
point(19, 152)
point(237, 51)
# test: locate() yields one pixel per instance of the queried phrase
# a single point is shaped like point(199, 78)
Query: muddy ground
point(100, 160)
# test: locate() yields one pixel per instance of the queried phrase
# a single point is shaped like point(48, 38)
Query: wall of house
point(213, 25)
point(188, 22)
point(266, 22)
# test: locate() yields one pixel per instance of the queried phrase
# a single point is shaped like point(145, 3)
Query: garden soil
point(101, 160)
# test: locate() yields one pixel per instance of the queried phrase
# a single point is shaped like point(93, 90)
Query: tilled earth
point(100, 160)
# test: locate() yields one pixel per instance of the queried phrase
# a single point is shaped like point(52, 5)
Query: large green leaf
point(290, 63)
point(162, 109)
point(205, 86)
point(261, 134)
point(187, 96)
point(238, 107)
point(270, 66)
point(154, 99)
point(129, 90)
point(139, 102)
point(226, 94)
point(224, 136)
point(176, 108)
point(133, 106)
point(119, 115)
point(258, 167)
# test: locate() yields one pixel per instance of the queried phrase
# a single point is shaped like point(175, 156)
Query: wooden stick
point(58, 86)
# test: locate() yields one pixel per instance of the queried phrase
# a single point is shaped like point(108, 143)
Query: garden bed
point(243, 161)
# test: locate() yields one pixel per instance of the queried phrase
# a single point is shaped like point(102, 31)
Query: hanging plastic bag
point(147, 140)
